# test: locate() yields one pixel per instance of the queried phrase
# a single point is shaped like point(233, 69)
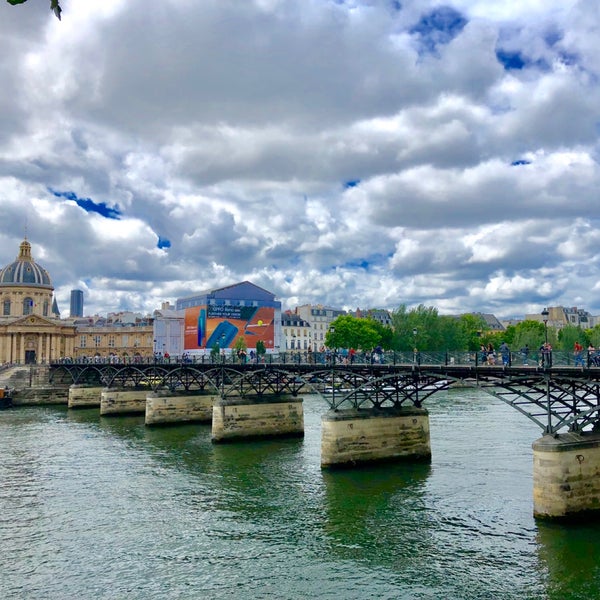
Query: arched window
point(6, 308)
point(27, 306)
point(45, 313)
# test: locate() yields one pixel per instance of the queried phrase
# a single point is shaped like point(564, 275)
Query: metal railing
point(450, 357)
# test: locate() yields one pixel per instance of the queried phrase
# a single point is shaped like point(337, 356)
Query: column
point(566, 475)
point(350, 437)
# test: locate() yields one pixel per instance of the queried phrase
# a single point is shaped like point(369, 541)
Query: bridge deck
point(554, 398)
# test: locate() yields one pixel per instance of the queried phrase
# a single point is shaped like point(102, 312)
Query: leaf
point(13, 2)
point(55, 6)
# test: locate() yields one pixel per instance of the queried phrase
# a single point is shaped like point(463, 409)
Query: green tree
point(260, 348)
point(54, 6)
point(351, 332)
point(593, 336)
point(214, 351)
point(240, 348)
point(472, 327)
point(570, 334)
point(240, 344)
point(530, 333)
point(423, 328)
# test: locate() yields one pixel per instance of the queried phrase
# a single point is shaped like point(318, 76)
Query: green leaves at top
point(54, 6)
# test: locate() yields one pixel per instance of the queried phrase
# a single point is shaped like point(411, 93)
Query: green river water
point(107, 508)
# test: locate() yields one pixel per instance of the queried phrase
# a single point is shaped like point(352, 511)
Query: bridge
point(558, 398)
point(376, 409)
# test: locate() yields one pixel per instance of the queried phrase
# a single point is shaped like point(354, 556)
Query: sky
point(350, 153)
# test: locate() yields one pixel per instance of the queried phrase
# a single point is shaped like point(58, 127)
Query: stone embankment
point(30, 385)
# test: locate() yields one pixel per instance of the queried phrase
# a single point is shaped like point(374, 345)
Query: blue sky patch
point(352, 183)
point(89, 205)
point(518, 61)
point(511, 60)
point(163, 243)
point(440, 26)
point(519, 162)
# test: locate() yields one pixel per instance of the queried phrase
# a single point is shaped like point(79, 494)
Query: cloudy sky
point(358, 153)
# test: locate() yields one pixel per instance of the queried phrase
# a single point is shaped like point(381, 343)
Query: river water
point(107, 508)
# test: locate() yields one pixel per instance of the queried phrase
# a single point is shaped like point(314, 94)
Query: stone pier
point(351, 437)
point(566, 476)
point(166, 406)
point(84, 396)
point(257, 417)
point(117, 401)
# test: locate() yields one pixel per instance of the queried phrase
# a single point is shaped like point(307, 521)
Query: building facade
point(319, 318)
point(296, 333)
point(31, 330)
point(225, 317)
point(76, 308)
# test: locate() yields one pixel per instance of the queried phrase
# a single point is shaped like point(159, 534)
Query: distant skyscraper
point(76, 303)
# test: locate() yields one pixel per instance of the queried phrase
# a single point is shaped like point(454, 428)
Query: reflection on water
point(95, 507)
point(571, 557)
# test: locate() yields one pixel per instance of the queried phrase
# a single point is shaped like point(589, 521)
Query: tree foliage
point(240, 344)
point(530, 333)
point(54, 6)
point(593, 336)
point(423, 328)
point(351, 332)
point(570, 334)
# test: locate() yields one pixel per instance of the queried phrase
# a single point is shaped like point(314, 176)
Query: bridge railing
point(454, 357)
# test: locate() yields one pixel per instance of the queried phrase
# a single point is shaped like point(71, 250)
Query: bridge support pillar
point(257, 417)
point(84, 395)
point(119, 401)
point(350, 437)
point(166, 406)
point(566, 475)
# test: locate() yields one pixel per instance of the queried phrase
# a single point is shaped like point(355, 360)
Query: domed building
point(31, 330)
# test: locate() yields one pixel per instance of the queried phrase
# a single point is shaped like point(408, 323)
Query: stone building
point(31, 330)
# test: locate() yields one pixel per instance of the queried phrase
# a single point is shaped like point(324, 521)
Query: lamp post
point(545, 314)
point(546, 352)
point(415, 351)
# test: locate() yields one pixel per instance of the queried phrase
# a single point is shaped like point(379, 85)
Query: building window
point(111, 341)
point(45, 309)
point(27, 306)
point(6, 308)
point(82, 341)
point(97, 340)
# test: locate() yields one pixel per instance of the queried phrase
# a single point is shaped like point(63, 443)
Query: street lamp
point(415, 351)
point(545, 314)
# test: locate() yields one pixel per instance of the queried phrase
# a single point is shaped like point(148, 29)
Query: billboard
point(210, 326)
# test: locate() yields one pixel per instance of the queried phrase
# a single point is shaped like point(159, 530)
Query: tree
point(54, 6)
point(423, 328)
point(240, 348)
point(593, 336)
point(214, 351)
point(472, 327)
point(351, 332)
point(260, 348)
point(570, 334)
point(530, 333)
point(240, 344)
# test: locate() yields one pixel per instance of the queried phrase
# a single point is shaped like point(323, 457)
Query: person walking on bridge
point(546, 354)
point(505, 353)
point(578, 353)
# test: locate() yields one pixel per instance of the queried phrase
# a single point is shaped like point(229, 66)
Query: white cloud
point(314, 148)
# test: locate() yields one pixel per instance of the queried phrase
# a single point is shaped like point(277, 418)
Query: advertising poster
point(207, 326)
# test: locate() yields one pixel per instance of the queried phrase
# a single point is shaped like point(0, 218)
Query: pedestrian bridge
point(560, 398)
point(377, 410)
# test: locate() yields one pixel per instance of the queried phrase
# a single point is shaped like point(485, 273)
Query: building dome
point(24, 271)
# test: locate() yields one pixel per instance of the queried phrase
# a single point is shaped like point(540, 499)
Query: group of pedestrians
point(489, 356)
